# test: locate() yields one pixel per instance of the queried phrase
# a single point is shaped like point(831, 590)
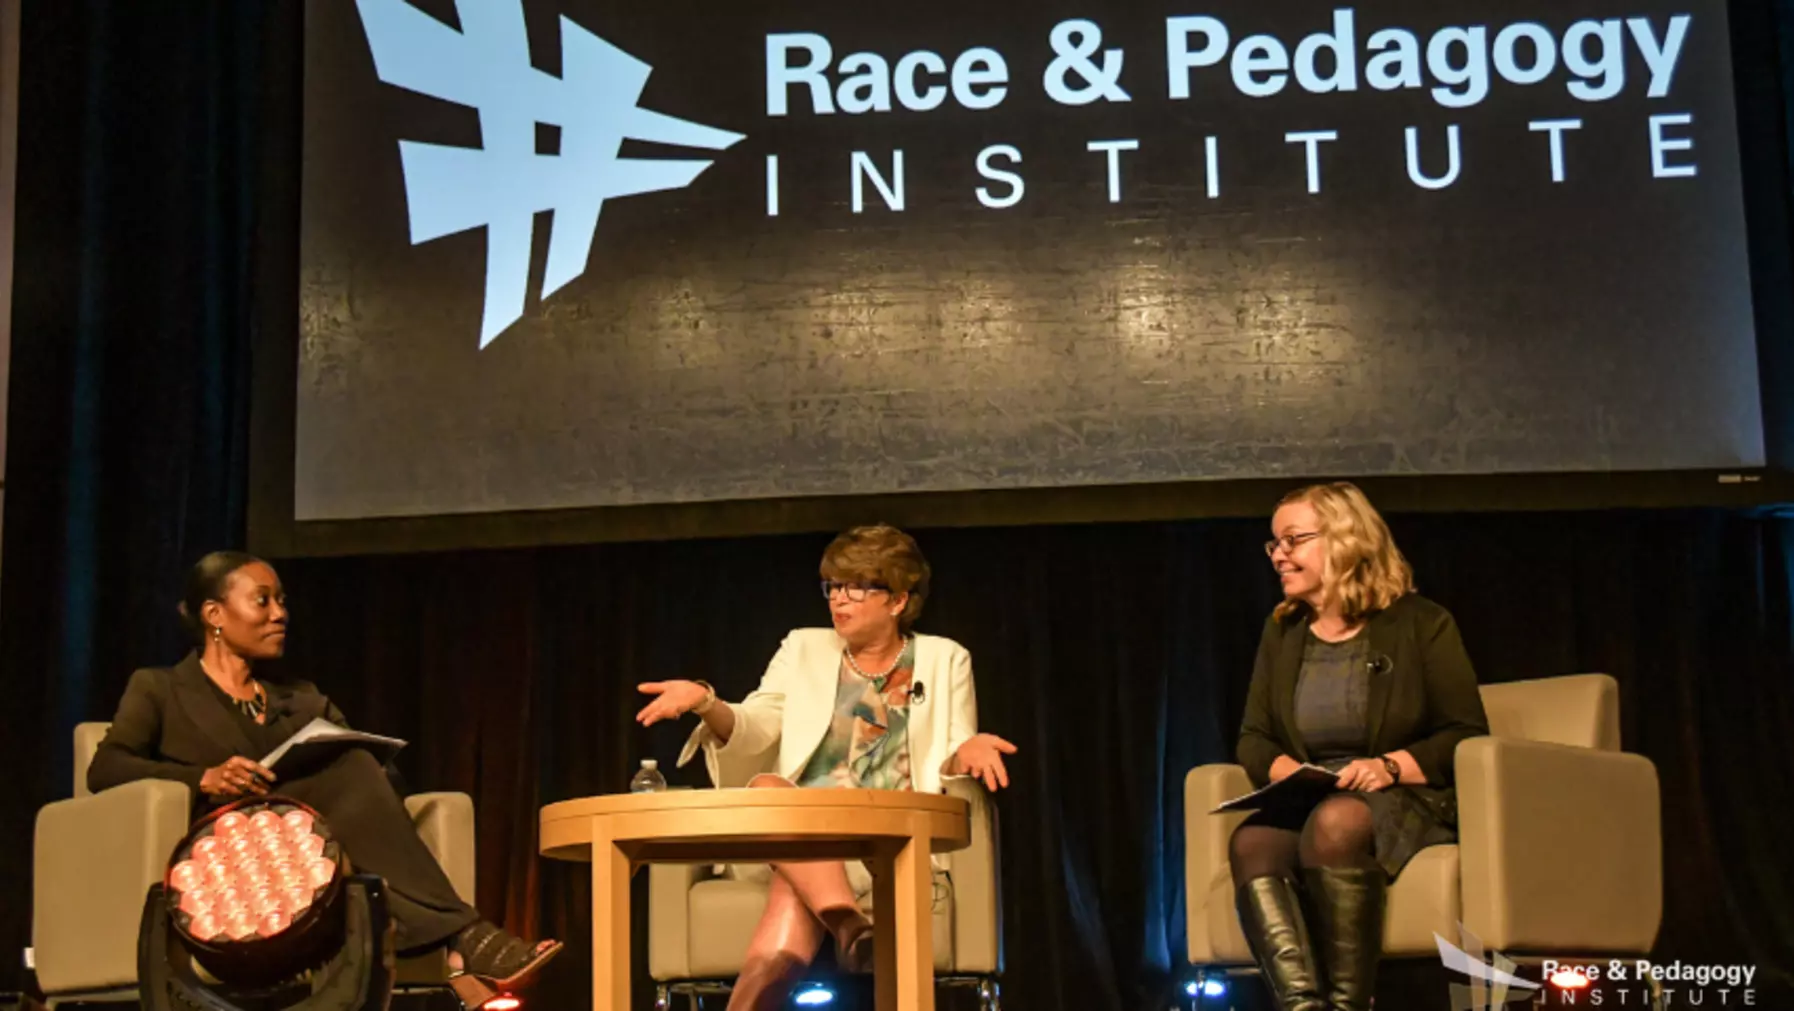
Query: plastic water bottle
point(649, 780)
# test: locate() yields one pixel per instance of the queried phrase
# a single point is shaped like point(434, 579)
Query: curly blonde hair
point(882, 554)
point(1365, 571)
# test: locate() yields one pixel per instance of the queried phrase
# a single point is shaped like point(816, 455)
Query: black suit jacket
point(1423, 693)
point(170, 725)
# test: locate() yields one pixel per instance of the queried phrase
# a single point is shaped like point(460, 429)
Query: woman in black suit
point(1358, 673)
point(200, 721)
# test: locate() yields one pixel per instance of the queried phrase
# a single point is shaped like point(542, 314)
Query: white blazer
point(780, 725)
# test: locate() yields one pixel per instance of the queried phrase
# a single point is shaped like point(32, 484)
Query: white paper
point(321, 733)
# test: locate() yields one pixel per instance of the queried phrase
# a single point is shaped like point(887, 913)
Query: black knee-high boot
point(1271, 916)
point(1348, 920)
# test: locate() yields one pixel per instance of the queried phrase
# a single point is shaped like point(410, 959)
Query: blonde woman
point(1358, 673)
point(866, 703)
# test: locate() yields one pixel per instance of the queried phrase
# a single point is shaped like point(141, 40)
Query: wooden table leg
point(884, 930)
point(610, 923)
point(903, 911)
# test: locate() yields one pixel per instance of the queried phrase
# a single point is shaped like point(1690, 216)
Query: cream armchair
point(699, 923)
point(98, 854)
point(1560, 849)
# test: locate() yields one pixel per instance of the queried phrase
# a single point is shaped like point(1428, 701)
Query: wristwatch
point(1393, 767)
point(709, 698)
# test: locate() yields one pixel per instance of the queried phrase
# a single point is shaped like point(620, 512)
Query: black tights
point(1336, 833)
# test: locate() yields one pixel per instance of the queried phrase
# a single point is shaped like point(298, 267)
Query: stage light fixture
point(251, 887)
point(1206, 987)
point(1569, 979)
point(261, 898)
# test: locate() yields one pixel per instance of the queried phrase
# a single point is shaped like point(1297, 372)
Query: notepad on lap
point(1308, 780)
point(319, 742)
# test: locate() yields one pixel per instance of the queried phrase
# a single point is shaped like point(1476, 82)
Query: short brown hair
point(885, 555)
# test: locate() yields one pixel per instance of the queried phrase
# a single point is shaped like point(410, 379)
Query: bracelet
point(709, 699)
point(1393, 767)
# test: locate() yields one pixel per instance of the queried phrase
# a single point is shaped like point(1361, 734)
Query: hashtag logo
point(502, 185)
point(1492, 982)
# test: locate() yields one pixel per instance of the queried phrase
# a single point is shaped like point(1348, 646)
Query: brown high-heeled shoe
point(852, 931)
point(855, 952)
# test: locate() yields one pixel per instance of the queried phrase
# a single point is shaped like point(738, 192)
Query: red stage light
point(254, 865)
point(236, 847)
point(185, 875)
point(249, 876)
point(272, 922)
point(503, 1002)
point(195, 901)
point(319, 872)
point(295, 901)
point(1568, 979)
point(206, 925)
point(238, 926)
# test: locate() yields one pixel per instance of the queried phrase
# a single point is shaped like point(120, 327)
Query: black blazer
point(1423, 694)
point(170, 725)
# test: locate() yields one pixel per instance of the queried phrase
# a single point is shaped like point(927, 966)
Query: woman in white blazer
point(867, 703)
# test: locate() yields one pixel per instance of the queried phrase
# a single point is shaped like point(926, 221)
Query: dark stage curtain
point(138, 164)
point(1116, 656)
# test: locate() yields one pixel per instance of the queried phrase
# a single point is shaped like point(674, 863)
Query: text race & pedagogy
point(1459, 67)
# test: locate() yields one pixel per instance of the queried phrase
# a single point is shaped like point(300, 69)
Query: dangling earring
point(217, 633)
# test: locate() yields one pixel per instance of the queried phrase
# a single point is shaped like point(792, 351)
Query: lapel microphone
point(1380, 664)
point(918, 693)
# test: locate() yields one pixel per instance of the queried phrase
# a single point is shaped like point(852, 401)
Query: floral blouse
point(867, 744)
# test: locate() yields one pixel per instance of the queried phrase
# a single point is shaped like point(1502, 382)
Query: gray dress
point(1332, 692)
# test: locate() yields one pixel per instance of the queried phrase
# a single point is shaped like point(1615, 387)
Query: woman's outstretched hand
point(982, 758)
point(239, 777)
point(672, 699)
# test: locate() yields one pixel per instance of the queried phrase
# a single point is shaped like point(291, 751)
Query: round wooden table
point(895, 832)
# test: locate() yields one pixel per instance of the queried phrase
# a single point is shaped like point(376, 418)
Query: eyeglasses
point(1288, 542)
point(855, 592)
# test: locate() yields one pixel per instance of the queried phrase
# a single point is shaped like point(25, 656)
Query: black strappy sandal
point(493, 962)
